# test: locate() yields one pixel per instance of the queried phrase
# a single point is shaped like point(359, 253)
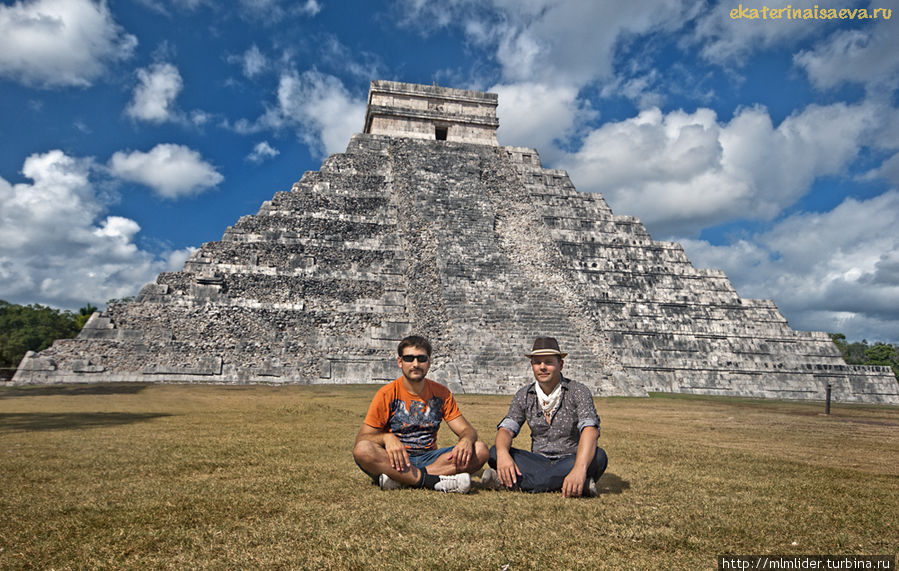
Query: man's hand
point(462, 453)
point(399, 458)
point(507, 470)
point(573, 485)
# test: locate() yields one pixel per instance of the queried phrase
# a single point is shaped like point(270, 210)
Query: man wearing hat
point(564, 428)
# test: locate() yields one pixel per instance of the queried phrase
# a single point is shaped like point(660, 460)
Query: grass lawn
point(261, 477)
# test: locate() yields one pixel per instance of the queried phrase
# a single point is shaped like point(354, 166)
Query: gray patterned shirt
point(560, 438)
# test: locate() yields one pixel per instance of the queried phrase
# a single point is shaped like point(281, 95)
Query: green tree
point(855, 354)
point(840, 341)
point(883, 354)
point(860, 353)
point(26, 328)
point(84, 314)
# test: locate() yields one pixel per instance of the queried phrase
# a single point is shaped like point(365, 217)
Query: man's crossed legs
point(542, 474)
point(434, 469)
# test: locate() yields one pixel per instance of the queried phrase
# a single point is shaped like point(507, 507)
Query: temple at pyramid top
point(431, 112)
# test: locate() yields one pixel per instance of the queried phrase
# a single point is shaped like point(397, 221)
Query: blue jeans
point(542, 474)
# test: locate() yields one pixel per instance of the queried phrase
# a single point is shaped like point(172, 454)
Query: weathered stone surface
point(474, 245)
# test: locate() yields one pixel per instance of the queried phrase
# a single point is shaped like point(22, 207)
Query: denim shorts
point(428, 457)
point(418, 460)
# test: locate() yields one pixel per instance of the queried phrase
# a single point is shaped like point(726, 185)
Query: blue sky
point(132, 132)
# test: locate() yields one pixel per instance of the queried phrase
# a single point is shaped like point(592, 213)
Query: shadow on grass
point(34, 421)
point(72, 390)
point(610, 483)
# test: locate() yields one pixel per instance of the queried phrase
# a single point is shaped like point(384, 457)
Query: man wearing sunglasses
point(397, 444)
point(564, 428)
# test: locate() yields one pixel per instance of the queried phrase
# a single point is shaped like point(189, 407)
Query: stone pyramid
point(425, 224)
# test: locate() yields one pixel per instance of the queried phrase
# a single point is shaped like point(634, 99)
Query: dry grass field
point(261, 477)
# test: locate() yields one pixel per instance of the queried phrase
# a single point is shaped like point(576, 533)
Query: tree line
point(860, 353)
point(34, 327)
point(26, 328)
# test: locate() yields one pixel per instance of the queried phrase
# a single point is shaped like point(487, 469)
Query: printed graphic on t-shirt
point(416, 426)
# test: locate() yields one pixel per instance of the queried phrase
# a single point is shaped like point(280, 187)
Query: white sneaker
point(591, 491)
point(458, 484)
point(490, 479)
point(387, 484)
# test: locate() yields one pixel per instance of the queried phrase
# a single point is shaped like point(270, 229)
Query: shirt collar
point(563, 381)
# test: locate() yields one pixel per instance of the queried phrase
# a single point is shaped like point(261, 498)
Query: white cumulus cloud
point(253, 61)
point(888, 170)
point(277, 10)
point(310, 7)
point(60, 43)
point(869, 57)
point(834, 271)
point(154, 97)
point(725, 39)
point(318, 106)
point(534, 115)
point(680, 172)
point(262, 151)
point(172, 171)
point(59, 247)
point(551, 42)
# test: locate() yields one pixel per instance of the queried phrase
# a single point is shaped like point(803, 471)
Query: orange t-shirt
point(413, 418)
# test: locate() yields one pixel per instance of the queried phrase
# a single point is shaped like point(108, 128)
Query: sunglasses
point(419, 358)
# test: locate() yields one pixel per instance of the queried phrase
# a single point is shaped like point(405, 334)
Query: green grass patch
point(261, 477)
